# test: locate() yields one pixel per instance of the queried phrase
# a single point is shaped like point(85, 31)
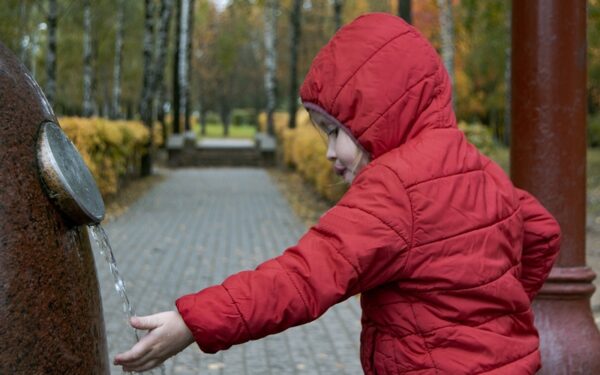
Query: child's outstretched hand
point(168, 336)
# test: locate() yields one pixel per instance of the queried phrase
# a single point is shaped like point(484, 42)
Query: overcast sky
point(220, 4)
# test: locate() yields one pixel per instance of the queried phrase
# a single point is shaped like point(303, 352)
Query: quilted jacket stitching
point(397, 362)
point(421, 335)
point(509, 362)
point(399, 99)
point(412, 211)
point(364, 63)
point(400, 337)
point(302, 298)
point(376, 217)
point(237, 307)
point(356, 268)
point(486, 226)
point(435, 97)
point(408, 90)
point(413, 185)
point(435, 290)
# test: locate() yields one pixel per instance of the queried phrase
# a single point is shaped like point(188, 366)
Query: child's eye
point(333, 131)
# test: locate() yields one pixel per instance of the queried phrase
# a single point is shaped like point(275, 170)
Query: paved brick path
point(191, 231)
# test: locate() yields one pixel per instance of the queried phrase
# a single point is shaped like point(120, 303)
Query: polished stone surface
point(50, 309)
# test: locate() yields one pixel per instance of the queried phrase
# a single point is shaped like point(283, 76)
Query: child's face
point(348, 159)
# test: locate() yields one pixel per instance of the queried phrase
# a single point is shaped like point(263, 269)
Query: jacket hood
point(382, 80)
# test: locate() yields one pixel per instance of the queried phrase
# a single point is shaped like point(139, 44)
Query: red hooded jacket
point(446, 252)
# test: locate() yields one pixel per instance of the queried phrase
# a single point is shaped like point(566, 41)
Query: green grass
point(216, 131)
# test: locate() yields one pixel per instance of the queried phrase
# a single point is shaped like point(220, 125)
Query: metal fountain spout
point(66, 178)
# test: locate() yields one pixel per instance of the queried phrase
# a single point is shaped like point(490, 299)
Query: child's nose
point(331, 150)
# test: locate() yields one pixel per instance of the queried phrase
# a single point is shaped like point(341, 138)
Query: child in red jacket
point(446, 253)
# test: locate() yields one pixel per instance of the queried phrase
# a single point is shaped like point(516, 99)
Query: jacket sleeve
point(350, 250)
point(541, 243)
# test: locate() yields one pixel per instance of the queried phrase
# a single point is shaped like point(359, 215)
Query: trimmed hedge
point(110, 149)
point(304, 150)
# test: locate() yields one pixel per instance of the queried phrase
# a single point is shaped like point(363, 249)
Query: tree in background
point(482, 39)
point(88, 107)
point(155, 46)
point(295, 17)
point(229, 54)
point(51, 53)
point(162, 46)
point(146, 104)
point(447, 33)
point(507, 79)
point(593, 36)
point(271, 10)
point(337, 13)
point(24, 13)
point(204, 61)
point(176, 90)
point(404, 10)
point(182, 59)
point(188, 65)
point(118, 59)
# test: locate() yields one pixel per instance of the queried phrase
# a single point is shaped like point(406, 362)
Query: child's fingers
point(143, 367)
point(145, 322)
point(140, 363)
point(134, 354)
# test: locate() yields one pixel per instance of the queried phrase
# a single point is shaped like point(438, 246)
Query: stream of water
point(101, 239)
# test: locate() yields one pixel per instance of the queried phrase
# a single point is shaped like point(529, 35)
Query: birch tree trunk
point(159, 88)
point(148, 53)
point(447, 33)
point(160, 113)
point(24, 35)
point(188, 48)
point(87, 59)
point(166, 7)
point(175, 78)
point(155, 56)
point(116, 92)
point(51, 53)
point(271, 61)
point(337, 13)
point(404, 10)
point(183, 61)
point(295, 18)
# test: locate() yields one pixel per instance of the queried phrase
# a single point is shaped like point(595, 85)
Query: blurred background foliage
point(228, 52)
point(226, 67)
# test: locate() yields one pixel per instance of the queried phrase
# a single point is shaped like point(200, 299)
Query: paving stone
point(190, 232)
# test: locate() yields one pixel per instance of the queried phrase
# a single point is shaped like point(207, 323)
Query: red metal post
point(548, 158)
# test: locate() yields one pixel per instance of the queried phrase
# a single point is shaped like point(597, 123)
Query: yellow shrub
point(158, 135)
point(109, 148)
point(280, 122)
